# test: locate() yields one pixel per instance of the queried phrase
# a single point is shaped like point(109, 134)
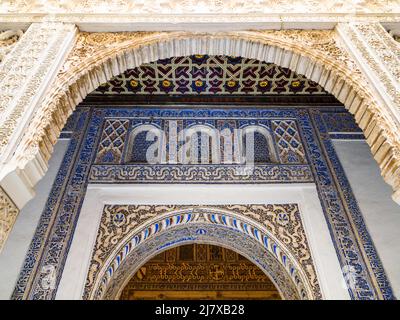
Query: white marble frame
point(305, 195)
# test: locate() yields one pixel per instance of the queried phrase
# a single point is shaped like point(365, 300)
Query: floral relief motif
point(8, 214)
point(8, 39)
point(380, 53)
point(29, 65)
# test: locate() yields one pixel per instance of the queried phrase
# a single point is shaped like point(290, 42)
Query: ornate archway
point(316, 54)
point(294, 276)
point(108, 55)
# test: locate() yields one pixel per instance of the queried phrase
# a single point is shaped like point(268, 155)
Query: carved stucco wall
point(204, 6)
point(321, 56)
point(8, 210)
point(378, 56)
point(8, 39)
point(8, 214)
point(199, 271)
point(25, 73)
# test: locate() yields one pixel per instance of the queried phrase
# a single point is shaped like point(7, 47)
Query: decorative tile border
point(55, 230)
point(353, 212)
point(199, 174)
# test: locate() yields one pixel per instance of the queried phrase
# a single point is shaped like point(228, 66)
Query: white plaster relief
point(8, 214)
point(200, 6)
point(204, 15)
point(24, 77)
point(8, 39)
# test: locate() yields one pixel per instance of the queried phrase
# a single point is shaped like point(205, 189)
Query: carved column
point(25, 75)
point(378, 56)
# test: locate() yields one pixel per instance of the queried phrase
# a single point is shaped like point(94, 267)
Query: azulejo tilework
point(341, 125)
point(51, 243)
point(203, 74)
point(277, 228)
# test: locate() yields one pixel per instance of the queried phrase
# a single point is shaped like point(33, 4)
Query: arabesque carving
point(24, 76)
point(8, 39)
point(8, 214)
point(378, 55)
point(379, 52)
point(319, 55)
point(202, 6)
point(23, 73)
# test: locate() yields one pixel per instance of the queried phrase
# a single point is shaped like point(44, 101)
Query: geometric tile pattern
point(210, 75)
point(112, 141)
point(288, 141)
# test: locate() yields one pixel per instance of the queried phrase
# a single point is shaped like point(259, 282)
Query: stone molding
point(378, 56)
point(191, 15)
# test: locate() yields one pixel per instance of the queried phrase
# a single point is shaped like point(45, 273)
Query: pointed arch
point(269, 145)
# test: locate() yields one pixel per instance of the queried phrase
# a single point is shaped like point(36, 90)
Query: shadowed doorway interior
point(199, 271)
